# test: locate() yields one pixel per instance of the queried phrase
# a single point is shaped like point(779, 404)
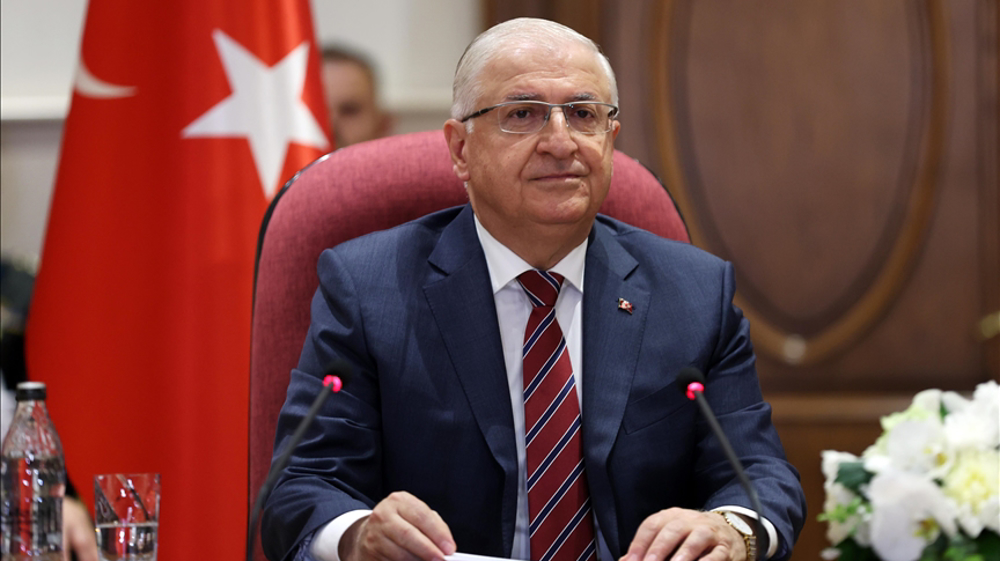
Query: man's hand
point(78, 532)
point(400, 528)
point(685, 535)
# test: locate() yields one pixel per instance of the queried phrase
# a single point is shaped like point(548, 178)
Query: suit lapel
point(462, 303)
point(612, 338)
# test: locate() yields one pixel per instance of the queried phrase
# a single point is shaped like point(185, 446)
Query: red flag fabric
point(186, 118)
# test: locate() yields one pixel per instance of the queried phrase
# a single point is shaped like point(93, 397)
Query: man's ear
point(456, 136)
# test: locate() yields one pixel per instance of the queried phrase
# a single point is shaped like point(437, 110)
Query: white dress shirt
point(513, 309)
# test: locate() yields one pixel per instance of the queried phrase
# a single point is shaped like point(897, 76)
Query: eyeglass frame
point(612, 115)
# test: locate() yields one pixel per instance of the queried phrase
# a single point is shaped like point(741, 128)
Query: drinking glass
point(127, 514)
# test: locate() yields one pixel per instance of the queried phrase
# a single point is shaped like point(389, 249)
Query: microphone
point(692, 382)
point(333, 378)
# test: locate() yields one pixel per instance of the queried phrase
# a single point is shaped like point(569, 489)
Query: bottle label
point(31, 509)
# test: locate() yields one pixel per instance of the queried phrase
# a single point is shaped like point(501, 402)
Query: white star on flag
point(266, 107)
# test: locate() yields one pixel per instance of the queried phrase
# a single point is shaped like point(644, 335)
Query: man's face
point(553, 178)
point(350, 97)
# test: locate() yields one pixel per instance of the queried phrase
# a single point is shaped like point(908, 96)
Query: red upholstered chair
point(353, 191)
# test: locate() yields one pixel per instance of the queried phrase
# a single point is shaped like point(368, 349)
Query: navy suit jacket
point(427, 409)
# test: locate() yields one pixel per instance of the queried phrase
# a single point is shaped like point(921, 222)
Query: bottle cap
point(30, 391)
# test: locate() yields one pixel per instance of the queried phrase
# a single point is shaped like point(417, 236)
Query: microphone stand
point(693, 382)
point(332, 381)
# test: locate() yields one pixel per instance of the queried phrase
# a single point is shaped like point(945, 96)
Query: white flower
point(974, 486)
point(975, 423)
point(988, 393)
point(913, 445)
point(934, 471)
point(953, 402)
point(831, 463)
point(855, 525)
point(908, 513)
point(913, 436)
point(925, 405)
point(838, 497)
point(829, 554)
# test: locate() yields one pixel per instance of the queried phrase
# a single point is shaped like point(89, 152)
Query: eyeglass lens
point(587, 118)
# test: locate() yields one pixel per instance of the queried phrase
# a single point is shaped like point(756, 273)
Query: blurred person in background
point(351, 92)
point(16, 283)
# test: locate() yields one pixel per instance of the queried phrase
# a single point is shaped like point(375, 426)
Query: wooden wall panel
point(582, 15)
point(734, 141)
point(845, 157)
point(829, 150)
point(987, 72)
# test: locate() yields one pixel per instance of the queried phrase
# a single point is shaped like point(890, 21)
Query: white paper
point(471, 557)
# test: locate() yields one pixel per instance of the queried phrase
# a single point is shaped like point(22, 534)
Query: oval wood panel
point(758, 105)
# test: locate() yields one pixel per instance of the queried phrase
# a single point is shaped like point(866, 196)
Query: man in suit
point(452, 434)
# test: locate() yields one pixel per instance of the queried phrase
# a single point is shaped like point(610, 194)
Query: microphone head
point(691, 380)
point(336, 374)
point(689, 374)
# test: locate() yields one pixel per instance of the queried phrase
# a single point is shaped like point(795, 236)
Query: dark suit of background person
point(427, 410)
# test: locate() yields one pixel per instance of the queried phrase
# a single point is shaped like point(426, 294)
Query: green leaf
point(962, 548)
point(841, 512)
point(988, 544)
point(936, 550)
point(853, 475)
point(851, 551)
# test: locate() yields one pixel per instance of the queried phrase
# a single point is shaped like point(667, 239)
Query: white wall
point(416, 44)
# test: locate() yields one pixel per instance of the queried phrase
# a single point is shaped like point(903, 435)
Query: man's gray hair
point(528, 31)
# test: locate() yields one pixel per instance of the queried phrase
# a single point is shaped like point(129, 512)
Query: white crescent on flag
point(86, 84)
point(265, 107)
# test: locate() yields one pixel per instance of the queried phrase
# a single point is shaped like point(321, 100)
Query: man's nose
point(557, 114)
point(556, 136)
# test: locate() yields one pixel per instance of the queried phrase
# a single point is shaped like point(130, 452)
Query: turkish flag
point(187, 116)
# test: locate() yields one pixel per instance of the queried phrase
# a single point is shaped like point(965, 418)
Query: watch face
point(738, 523)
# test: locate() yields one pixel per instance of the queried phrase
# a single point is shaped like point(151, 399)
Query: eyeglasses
point(527, 117)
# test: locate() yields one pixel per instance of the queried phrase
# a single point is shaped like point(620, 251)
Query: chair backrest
point(354, 191)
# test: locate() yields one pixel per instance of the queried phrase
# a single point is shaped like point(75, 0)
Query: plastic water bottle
point(33, 478)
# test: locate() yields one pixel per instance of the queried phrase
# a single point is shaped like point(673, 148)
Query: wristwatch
point(745, 530)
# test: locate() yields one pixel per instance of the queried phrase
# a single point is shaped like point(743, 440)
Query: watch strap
point(749, 540)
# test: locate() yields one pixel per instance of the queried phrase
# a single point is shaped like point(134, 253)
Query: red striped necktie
point(559, 512)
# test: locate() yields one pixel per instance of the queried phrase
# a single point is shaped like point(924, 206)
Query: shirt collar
point(505, 265)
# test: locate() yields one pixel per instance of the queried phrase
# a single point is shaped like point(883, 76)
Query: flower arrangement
point(926, 490)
